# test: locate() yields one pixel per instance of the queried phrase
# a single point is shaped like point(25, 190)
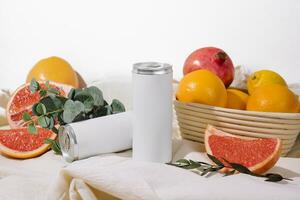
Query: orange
point(263, 78)
point(273, 98)
point(202, 86)
point(54, 69)
point(236, 99)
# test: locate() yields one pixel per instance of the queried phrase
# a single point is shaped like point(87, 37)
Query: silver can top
point(151, 68)
point(68, 143)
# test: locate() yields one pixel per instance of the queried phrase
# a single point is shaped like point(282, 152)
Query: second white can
point(152, 112)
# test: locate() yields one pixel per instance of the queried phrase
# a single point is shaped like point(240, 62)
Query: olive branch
point(204, 168)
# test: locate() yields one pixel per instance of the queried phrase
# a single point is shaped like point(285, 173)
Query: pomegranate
point(212, 59)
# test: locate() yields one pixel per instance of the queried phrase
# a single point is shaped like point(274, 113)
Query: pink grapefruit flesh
point(19, 143)
point(258, 154)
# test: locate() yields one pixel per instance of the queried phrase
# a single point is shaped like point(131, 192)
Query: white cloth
point(116, 176)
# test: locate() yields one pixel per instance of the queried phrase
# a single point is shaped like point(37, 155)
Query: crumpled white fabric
point(128, 179)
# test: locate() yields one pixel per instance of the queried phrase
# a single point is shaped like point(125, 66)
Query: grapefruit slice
point(257, 154)
point(19, 143)
point(22, 101)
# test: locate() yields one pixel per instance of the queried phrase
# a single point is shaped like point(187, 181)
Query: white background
point(101, 38)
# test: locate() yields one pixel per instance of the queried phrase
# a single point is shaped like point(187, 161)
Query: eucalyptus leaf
point(47, 84)
point(97, 95)
point(82, 96)
point(71, 94)
point(71, 110)
point(117, 106)
point(44, 121)
point(43, 93)
point(108, 110)
point(53, 91)
point(32, 128)
point(40, 109)
point(88, 104)
point(54, 145)
point(26, 116)
point(34, 86)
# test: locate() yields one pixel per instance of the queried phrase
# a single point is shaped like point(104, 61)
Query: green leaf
point(40, 109)
point(117, 106)
point(71, 94)
point(215, 160)
point(97, 95)
point(54, 145)
point(53, 91)
point(34, 86)
point(71, 110)
point(108, 110)
point(26, 116)
point(273, 177)
point(230, 173)
point(82, 96)
point(183, 162)
point(88, 104)
point(44, 121)
point(47, 84)
point(43, 93)
point(240, 168)
point(31, 128)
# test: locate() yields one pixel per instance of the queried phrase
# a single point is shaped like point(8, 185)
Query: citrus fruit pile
point(18, 142)
point(208, 73)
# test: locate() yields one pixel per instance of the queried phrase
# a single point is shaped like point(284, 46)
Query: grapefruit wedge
point(22, 101)
point(257, 154)
point(19, 143)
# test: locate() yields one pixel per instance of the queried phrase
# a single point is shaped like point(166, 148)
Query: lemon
point(54, 69)
point(202, 86)
point(273, 98)
point(236, 99)
point(262, 78)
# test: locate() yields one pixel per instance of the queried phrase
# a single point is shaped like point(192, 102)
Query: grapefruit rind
point(26, 154)
point(259, 168)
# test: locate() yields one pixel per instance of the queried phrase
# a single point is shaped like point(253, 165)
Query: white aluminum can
point(152, 112)
point(96, 136)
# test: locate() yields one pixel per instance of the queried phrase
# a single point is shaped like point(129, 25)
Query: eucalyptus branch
point(55, 109)
point(206, 168)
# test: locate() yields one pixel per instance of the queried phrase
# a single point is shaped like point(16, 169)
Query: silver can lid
point(68, 143)
point(151, 68)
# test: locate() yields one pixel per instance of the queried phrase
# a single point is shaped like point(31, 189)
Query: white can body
point(152, 117)
point(96, 136)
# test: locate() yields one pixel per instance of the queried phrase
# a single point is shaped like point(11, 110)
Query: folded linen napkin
point(119, 177)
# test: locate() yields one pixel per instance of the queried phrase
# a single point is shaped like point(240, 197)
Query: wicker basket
point(193, 119)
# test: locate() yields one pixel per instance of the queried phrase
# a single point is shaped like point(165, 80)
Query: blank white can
point(107, 134)
point(152, 112)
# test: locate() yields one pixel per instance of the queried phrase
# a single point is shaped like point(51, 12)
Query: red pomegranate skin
point(212, 59)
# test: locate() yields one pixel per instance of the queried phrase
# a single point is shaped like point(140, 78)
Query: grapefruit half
point(22, 101)
point(257, 154)
point(19, 143)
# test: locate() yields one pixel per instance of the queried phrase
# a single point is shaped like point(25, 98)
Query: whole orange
point(236, 99)
point(53, 69)
point(202, 86)
point(273, 98)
